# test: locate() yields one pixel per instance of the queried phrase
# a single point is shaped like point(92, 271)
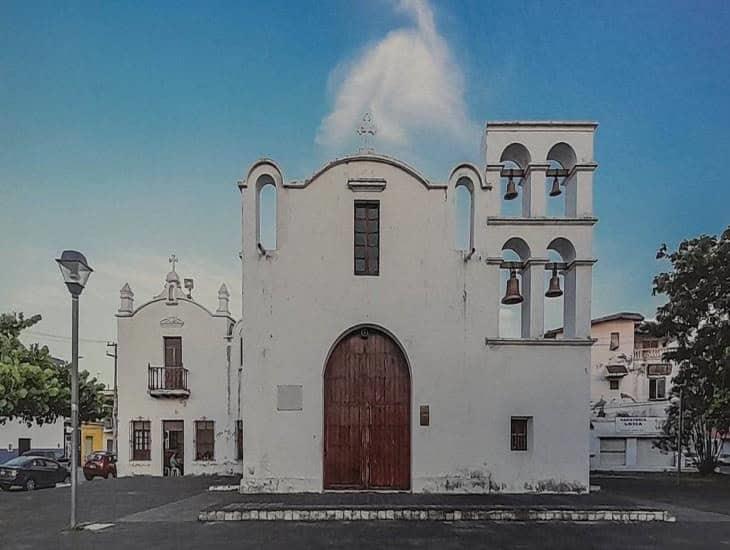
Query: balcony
point(167, 381)
point(648, 354)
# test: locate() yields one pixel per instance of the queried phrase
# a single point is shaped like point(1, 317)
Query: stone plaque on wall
point(288, 398)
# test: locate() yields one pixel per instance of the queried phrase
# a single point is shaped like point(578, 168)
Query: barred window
point(519, 434)
point(204, 440)
point(141, 440)
point(367, 238)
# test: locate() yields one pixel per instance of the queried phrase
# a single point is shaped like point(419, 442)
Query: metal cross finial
point(173, 260)
point(366, 131)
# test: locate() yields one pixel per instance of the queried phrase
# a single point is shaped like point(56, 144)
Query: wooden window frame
point(370, 253)
point(654, 381)
point(614, 345)
point(201, 453)
point(519, 433)
point(614, 384)
point(141, 444)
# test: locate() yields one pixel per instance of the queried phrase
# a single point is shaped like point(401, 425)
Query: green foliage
point(35, 387)
point(696, 319)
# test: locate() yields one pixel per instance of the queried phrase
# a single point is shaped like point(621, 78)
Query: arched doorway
point(367, 411)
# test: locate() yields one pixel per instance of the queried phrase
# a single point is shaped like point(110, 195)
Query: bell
point(512, 296)
point(511, 190)
point(554, 290)
point(555, 190)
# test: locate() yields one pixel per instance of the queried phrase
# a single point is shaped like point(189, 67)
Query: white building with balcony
point(630, 388)
point(178, 392)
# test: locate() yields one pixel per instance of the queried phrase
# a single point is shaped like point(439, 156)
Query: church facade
point(373, 350)
point(372, 353)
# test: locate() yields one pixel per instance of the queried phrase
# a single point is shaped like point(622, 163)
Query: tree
point(696, 319)
point(35, 387)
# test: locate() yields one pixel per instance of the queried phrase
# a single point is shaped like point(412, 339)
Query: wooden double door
point(367, 404)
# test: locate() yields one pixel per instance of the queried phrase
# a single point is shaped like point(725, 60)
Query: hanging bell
point(555, 190)
point(512, 296)
point(511, 190)
point(554, 290)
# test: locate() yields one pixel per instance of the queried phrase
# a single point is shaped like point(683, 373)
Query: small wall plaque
point(288, 398)
point(424, 415)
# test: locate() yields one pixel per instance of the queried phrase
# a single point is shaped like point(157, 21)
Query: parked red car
point(101, 464)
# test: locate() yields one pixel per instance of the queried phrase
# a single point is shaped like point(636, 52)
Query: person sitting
point(174, 465)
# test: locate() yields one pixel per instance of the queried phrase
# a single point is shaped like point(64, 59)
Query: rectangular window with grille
point(519, 434)
point(613, 384)
point(141, 440)
point(367, 238)
point(204, 440)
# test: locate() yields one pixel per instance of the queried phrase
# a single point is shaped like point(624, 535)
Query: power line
point(66, 338)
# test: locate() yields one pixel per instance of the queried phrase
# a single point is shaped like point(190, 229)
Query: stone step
point(431, 513)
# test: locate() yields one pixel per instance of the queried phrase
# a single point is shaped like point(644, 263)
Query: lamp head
point(75, 270)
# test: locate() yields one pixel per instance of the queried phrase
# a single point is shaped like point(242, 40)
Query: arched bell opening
point(561, 160)
point(555, 177)
point(554, 291)
point(560, 286)
point(515, 159)
point(515, 300)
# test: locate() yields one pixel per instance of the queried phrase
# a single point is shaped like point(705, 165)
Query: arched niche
point(266, 212)
point(464, 213)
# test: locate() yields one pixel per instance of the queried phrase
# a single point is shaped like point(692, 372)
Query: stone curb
point(414, 514)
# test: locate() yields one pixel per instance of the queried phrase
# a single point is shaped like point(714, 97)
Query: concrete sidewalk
point(435, 507)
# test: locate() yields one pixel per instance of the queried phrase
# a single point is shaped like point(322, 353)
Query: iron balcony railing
point(167, 379)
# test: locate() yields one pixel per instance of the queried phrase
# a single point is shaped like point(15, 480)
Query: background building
point(630, 389)
point(178, 392)
point(17, 437)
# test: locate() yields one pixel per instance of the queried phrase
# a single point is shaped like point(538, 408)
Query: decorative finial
point(173, 260)
point(366, 131)
point(223, 297)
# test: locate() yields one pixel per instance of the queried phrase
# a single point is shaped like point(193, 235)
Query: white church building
point(369, 353)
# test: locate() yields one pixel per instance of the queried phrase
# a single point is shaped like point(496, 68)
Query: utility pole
point(115, 410)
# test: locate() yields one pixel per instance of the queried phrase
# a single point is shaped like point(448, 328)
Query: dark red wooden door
point(173, 362)
point(367, 404)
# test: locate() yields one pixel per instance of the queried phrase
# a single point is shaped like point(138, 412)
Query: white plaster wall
point(42, 436)
point(301, 297)
point(212, 397)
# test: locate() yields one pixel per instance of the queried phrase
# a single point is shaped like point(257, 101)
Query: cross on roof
point(173, 260)
point(366, 131)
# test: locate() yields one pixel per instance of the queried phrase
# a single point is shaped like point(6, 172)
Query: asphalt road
point(160, 513)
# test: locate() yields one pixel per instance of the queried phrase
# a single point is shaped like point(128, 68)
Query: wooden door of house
point(367, 402)
point(173, 362)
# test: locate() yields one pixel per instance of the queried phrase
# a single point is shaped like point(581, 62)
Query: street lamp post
point(75, 271)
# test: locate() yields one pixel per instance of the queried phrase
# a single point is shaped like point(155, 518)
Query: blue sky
point(124, 126)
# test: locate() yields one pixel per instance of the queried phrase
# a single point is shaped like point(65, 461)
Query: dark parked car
point(102, 464)
point(32, 472)
point(57, 455)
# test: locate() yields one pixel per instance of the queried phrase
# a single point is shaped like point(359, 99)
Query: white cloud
point(410, 82)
